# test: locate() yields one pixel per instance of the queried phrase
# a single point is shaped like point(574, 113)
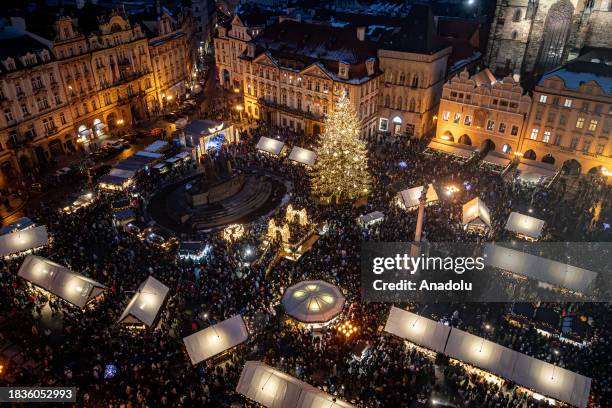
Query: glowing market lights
point(347, 329)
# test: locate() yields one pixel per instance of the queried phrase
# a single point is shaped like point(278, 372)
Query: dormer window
point(370, 66)
point(343, 70)
point(9, 64)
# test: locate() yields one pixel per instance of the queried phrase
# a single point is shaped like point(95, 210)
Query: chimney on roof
point(361, 33)
point(80, 4)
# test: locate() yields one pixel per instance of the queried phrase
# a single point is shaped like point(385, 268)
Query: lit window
point(543, 98)
point(580, 123)
point(490, 125)
point(502, 128)
point(506, 148)
point(384, 125)
point(457, 118)
point(467, 121)
point(568, 103)
point(514, 130)
point(593, 125)
point(534, 134)
point(445, 116)
point(546, 136)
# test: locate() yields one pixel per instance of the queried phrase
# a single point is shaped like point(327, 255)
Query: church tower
point(536, 36)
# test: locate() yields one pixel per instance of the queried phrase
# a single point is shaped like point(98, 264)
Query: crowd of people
point(112, 365)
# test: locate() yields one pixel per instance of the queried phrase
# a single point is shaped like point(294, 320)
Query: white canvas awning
point(157, 146)
point(410, 198)
point(534, 171)
point(498, 159)
point(19, 225)
point(125, 174)
point(541, 269)
point(275, 389)
point(145, 304)
point(150, 155)
point(59, 280)
point(24, 240)
point(302, 155)
point(525, 225)
point(216, 339)
point(371, 218)
point(269, 145)
point(481, 353)
point(313, 301)
point(455, 149)
point(417, 329)
point(552, 381)
point(475, 211)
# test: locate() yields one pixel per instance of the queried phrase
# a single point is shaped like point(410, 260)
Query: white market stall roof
point(525, 225)
point(541, 269)
point(539, 376)
point(151, 155)
point(455, 149)
point(417, 329)
point(275, 389)
point(145, 304)
point(157, 146)
point(19, 225)
point(411, 197)
point(476, 211)
point(216, 339)
point(302, 155)
point(552, 381)
point(23, 240)
point(175, 158)
point(313, 301)
point(481, 353)
point(59, 280)
point(499, 159)
point(124, 174)
point(371, 218)
point(269, 145)
point(535, 171)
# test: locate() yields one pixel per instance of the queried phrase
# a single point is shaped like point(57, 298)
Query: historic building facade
point(63, 93)
point(571, 116)
point(535, 36)
point(483, 112)
point(401, 101)
point(295, 90)
point(36, 120)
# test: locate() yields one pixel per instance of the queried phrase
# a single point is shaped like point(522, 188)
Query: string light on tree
point(341, 170)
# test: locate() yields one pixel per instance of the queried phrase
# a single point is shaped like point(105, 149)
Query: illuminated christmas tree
point(341, 169)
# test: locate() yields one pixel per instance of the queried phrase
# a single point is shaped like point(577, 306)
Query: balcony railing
point(288, 109)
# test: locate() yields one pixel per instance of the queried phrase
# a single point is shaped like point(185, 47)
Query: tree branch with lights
point(341, 169)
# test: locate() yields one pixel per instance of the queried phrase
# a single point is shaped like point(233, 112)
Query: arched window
point(514, 35)
point(402, 78)
point(556, 31)
point(415, 81)
point(399, 103)
point(412, 105)
point(387, 101)
point(517, 15)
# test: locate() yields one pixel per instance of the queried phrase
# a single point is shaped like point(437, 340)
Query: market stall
point(269, 145)
point(525, 226)
point(313, 302)
point(23, 241)
point(216, 339)
point(417, 329)
point(60, 281)
point(275, 389)
point(301, 155)
point(476, 216)
point(143, 309)
point(409, 199)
